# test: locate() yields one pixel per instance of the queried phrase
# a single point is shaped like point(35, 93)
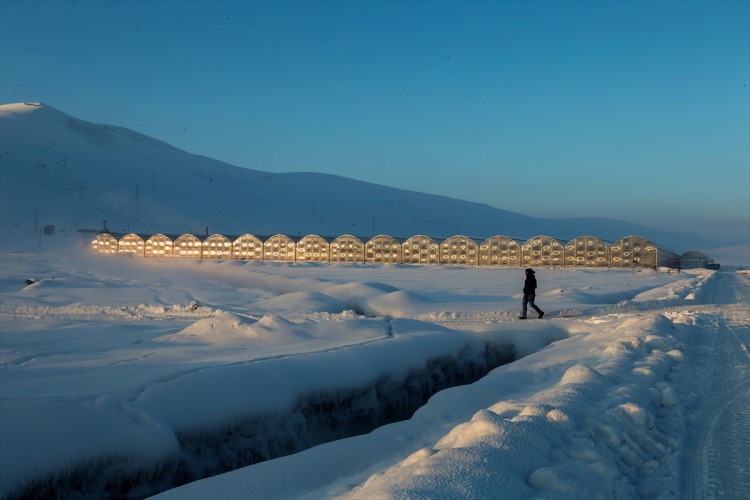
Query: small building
point(693, 259)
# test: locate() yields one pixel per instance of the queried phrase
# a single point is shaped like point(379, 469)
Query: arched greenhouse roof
point(383, 248)
point(459, 249)
point(105, 243)
point(131, 243)
point(312, 248)
point(693, 255)
point(158, 245)
point(347, 248)
point(217, 246)
point(420, 249)
point(587, 251)
point(279, 247)
point(248, 247)
point(542, 250)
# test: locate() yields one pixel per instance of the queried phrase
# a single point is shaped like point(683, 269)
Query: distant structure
point(497, 251)
point(693, 259)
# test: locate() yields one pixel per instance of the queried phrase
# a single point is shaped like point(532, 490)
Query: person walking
point(529, 293)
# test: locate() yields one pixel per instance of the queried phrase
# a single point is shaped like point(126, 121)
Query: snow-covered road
point(717, 452)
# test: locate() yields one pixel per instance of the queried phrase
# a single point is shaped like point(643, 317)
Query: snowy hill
point(59, 170)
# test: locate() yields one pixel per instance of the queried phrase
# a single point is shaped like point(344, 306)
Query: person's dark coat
point(529, 286)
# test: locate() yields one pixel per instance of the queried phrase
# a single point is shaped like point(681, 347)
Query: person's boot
point(541, 314)
point(522, 317)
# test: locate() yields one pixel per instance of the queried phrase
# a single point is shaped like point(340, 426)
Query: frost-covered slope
point(57, 169)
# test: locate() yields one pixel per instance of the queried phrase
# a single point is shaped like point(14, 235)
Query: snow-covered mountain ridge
point(58, 170)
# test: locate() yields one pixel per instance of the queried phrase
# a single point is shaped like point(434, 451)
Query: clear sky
point(627, 109)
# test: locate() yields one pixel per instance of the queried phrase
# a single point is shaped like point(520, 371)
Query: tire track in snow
point(715, 462)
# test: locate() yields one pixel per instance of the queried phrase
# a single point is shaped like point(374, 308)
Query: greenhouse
point(693, 259)
point(131, 243)
point(420, 249)
point(384, 249)
point(158, 245)
point(312, 248)
point(187, 246)
point(459, 250)
point(279, 248)
point(542, 251)
point(347, 248)
point(630, 251)
point(586, 251)
point(217, 246)
point(497, 251)
point(105, 243)
point(247, 247)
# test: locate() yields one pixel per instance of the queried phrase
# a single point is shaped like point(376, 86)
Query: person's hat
point(529, 270)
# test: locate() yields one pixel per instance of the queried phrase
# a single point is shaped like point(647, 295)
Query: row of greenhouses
point(497, 251)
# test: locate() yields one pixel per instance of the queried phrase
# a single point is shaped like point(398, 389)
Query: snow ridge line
point(130, 313)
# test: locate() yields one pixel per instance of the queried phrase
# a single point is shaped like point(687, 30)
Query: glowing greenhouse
point(496, 251)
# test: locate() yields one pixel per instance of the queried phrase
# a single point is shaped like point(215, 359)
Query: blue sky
point(633, 110)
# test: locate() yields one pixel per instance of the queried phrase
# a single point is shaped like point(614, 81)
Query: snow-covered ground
point(125, 377)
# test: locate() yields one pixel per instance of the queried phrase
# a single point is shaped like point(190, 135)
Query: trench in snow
point(315, 419)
